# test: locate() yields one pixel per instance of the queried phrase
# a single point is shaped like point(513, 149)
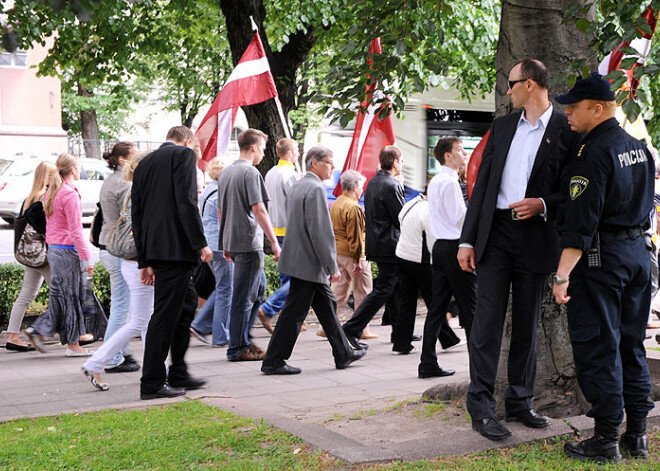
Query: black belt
point(509, 214)
point(632, 234)
point(102, 247)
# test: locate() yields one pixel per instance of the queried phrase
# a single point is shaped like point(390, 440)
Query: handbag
point(96, 321)
point(97, 225)
point(120, 240)
point(30, 248)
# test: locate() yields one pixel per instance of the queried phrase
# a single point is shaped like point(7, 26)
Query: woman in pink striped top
point(68, 256)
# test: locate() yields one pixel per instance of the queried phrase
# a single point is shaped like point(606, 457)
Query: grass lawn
point(193, 436)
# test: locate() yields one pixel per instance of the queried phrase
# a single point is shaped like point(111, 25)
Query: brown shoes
point(265, 321)
point(252, 353)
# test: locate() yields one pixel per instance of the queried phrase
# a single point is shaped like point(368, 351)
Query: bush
point(272, 275)
point(11, 281)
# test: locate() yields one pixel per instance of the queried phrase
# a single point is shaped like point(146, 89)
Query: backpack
point(97, 225)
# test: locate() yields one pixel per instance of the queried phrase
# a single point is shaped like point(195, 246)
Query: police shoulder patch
point(577, 186)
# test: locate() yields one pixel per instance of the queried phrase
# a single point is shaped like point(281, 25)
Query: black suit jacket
point(541, 254)
point(166, 222)
point(383, 201)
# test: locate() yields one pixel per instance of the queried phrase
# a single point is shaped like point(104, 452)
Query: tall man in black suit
point(168, 236)
point(509, 237)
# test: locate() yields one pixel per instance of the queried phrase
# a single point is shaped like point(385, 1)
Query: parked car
point(17, 173)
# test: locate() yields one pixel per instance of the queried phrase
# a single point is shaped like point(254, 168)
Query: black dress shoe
point(188, 384)
point(597, 448)
point(19, 348)
point(355, 343)
point(352, 356)
point(530, 418)
point(124, 367)
point(437, 373)
point(280, 370)
point(416, 338)
point(165, 391)
point(636, 446)
point(491, 429)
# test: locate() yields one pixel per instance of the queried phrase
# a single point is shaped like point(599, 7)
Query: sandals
point(92, 379)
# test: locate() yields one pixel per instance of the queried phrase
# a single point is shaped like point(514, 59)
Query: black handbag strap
point(206, 199)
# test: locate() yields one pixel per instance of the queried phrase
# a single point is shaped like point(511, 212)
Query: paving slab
point(358, 414)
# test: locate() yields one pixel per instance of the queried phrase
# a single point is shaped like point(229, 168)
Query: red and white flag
point(250, 83)
point(372, 132)
point(641, 45)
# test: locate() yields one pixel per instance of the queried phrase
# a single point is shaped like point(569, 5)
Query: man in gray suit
point(309, 258)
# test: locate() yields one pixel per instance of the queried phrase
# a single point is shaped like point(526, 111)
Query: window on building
point(18, 58)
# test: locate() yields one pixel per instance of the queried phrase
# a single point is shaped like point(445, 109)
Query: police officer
point(610, 194)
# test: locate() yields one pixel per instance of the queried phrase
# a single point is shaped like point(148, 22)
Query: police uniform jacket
point(609, 185)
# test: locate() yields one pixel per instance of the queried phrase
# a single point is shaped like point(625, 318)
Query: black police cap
point(594, 87)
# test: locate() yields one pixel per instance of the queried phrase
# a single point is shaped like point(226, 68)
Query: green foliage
point(272, 275)
point(11, 282)
point(616, 22)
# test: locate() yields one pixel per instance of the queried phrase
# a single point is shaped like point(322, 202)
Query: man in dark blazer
point(309, 258)
point(383, 201)
point(509, 237)
point(168, 236)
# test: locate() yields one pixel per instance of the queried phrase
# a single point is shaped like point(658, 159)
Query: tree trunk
point(89, 128)
point(284, 65)
point(534, 29)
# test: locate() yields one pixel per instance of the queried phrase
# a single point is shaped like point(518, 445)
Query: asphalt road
point(7, 244)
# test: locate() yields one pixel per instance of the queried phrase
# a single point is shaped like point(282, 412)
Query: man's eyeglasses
point(513, 82)
point(329, 162)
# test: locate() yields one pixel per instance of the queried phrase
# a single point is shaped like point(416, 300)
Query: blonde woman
point(34, 277)
point(68, 257)
point(141, 301)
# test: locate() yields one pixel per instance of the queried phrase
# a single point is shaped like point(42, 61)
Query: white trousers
point(140, 311)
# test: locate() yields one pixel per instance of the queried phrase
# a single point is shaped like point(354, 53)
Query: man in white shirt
point(446, 216)
point(509, 236)
point(279, 181)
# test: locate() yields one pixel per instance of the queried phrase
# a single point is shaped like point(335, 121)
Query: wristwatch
point(560, 281)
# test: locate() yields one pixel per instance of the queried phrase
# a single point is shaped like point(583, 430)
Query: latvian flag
point(250, 83)
point(372, 132)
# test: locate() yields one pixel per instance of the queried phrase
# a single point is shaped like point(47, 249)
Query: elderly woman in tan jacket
point(348, 222)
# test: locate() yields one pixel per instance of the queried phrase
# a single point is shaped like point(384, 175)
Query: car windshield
point(19, 168)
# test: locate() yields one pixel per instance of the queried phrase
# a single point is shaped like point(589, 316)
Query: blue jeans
point(214, 316)
point(275, 301)
point(119, 301)
point(248, 289)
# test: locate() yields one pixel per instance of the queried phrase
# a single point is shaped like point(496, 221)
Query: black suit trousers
point(500, 270)
point(447, 279)
point(302, 295)
point(175, 301)
point(385, 288)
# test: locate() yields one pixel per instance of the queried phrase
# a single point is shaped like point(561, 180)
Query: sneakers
point(252, 353)
point(78, 353)
point(198, 335)
point(35, 338)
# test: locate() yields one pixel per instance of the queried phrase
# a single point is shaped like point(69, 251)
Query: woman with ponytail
point(112, 200)
point(33, 277)
point(68, 256)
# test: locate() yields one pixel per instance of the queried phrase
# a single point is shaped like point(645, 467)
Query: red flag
point(251, 82)
point(372, 132)
point(641, 45)
point(475, 162)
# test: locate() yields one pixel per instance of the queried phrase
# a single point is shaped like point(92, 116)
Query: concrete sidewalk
point(351, 413)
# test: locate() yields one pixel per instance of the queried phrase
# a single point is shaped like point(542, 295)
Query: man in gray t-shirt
point(244, 219)
point(240, 187)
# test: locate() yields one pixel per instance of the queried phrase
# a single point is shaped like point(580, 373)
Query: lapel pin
point(547, 140)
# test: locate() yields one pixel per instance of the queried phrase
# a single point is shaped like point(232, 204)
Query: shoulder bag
point(120, 241)
point(30, 245)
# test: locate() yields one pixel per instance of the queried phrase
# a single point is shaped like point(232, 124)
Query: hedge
point(11, 280)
